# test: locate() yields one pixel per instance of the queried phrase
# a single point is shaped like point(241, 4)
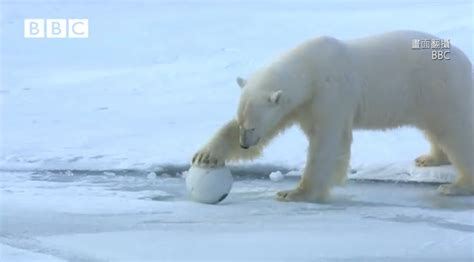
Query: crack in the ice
point(434, 221)
point(34, 245)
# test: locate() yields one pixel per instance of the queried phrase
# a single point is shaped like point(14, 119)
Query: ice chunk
point(276, 176)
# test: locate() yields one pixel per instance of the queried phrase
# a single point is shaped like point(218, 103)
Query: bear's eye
point(247, 130)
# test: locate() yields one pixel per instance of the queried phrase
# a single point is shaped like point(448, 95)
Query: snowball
point(276, 176)
point(208, 185)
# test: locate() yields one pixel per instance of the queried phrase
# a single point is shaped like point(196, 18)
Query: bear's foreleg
point(224, 146)
point(327, 164)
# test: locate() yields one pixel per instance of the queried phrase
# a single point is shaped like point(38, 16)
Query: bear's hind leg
point(436, 157)
point(460, 149)
point(464, 184)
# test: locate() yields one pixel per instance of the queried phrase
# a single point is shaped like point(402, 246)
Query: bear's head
point(260, 110)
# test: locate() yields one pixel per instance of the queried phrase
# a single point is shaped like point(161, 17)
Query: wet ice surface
point(88, 216)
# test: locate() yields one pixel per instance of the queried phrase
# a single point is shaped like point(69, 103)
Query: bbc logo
point(56, 28)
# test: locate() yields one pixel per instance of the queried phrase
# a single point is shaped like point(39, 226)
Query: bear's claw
point(300, 195)
point(206, 159)
point(296, 195)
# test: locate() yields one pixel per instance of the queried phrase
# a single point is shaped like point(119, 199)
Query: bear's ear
point(275, 98)
point(241, 82)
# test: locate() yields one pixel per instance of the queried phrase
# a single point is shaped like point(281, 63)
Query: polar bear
point(329, 87)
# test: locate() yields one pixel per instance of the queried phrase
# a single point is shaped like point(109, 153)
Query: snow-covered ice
point(155, 78)
point(96, 135)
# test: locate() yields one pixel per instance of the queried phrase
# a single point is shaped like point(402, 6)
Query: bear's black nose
point(244, 147)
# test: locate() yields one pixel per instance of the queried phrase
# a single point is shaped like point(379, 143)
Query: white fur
point(330, 87)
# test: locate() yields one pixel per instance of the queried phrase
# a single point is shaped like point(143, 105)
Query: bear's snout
point(248, 138)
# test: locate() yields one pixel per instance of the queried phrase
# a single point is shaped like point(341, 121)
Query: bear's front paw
point(207, 158)
point(300, 195)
